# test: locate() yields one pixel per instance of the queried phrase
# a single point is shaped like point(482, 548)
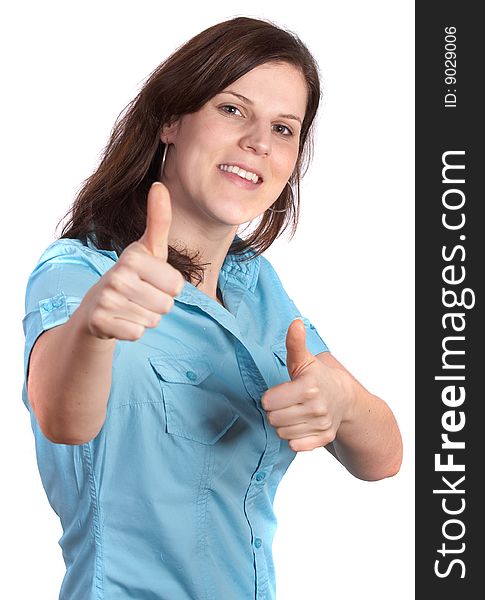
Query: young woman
point(169, 377)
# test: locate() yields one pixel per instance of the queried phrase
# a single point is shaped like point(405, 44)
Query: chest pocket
point(193, 411)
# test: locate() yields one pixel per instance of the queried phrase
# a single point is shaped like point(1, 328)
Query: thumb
point(159, 218)
point(297, 355)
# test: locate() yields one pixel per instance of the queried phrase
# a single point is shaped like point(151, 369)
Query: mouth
point(252, 177)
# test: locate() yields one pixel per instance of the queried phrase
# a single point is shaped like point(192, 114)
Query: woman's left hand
point(309, 409)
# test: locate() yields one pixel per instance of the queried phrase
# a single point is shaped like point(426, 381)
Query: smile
point(240, 172)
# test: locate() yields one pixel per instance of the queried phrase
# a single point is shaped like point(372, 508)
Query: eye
point(282, 128)
point(230, 109)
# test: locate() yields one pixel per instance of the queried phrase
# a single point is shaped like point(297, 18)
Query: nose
point(257, 138)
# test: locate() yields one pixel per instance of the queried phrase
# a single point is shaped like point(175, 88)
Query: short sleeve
point(313, 340)
point(66, 270)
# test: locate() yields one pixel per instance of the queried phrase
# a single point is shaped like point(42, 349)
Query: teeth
point(241, 172)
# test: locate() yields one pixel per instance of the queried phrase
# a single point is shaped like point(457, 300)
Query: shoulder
point(266, 266)
point(72, 251)
point(268, 274)
point(270, 289)
point(67, 266)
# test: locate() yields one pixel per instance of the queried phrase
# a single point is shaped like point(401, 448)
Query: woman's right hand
point(140, 287)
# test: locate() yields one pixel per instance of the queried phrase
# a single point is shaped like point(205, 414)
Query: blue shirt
point(173, 499)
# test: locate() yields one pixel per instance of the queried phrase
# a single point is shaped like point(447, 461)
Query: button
point(47, 307)
point(191, 375)
point(257, 542)
point(260, 476)
point(58, 303)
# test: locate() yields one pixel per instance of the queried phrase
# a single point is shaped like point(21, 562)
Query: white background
point(68, 70)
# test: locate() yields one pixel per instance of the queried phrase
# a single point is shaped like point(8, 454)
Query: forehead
point(279, 86)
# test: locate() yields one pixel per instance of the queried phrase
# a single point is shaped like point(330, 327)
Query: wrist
point(79, 326)
point(349, 394)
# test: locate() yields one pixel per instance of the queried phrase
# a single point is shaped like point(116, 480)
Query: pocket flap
point(279, 349)
point(181, 369)
point(193, 410)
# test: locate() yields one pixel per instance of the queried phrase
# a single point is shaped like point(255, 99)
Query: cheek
point(191, 155)
point(204, 145)
point(286, 163)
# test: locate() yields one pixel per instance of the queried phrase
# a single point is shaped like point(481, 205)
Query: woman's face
point(255, 124)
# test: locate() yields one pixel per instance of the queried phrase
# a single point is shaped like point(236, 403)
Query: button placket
point(255, 385)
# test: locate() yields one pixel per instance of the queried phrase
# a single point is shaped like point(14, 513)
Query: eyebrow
point(244, 99)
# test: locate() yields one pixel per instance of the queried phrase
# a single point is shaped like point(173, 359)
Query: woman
point(172, 379)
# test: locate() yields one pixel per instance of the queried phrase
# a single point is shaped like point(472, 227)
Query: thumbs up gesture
point(140, 287)
point(309, 409)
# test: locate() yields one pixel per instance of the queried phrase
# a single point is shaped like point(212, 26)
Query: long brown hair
point(110, 207)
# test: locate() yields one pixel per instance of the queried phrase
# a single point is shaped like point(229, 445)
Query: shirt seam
point(98, 542)
point(205, 482)
point(137, 404)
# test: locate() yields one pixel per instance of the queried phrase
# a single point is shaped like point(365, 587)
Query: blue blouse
point(173, 499)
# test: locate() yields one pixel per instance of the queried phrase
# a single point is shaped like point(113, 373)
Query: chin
point(234, 217)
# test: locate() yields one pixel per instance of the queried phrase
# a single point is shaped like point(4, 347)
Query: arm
point(69, 381)
point(368, 442)
point(71, 364)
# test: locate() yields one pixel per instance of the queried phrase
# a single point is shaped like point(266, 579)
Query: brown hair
point(110, 207)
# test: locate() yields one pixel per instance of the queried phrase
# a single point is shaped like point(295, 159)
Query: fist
point(308, 410)
point(141, 286)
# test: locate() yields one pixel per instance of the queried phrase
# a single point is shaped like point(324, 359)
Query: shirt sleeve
point(313, 340)
point(64, 273)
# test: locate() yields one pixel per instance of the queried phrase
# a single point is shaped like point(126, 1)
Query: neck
point(210, 242)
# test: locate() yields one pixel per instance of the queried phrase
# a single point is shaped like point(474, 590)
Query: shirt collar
point(241, 269)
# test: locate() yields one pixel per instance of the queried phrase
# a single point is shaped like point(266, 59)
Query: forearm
point(368, 442)
point(70, 381)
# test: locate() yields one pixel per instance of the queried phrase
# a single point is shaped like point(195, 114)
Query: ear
point(169, 131)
